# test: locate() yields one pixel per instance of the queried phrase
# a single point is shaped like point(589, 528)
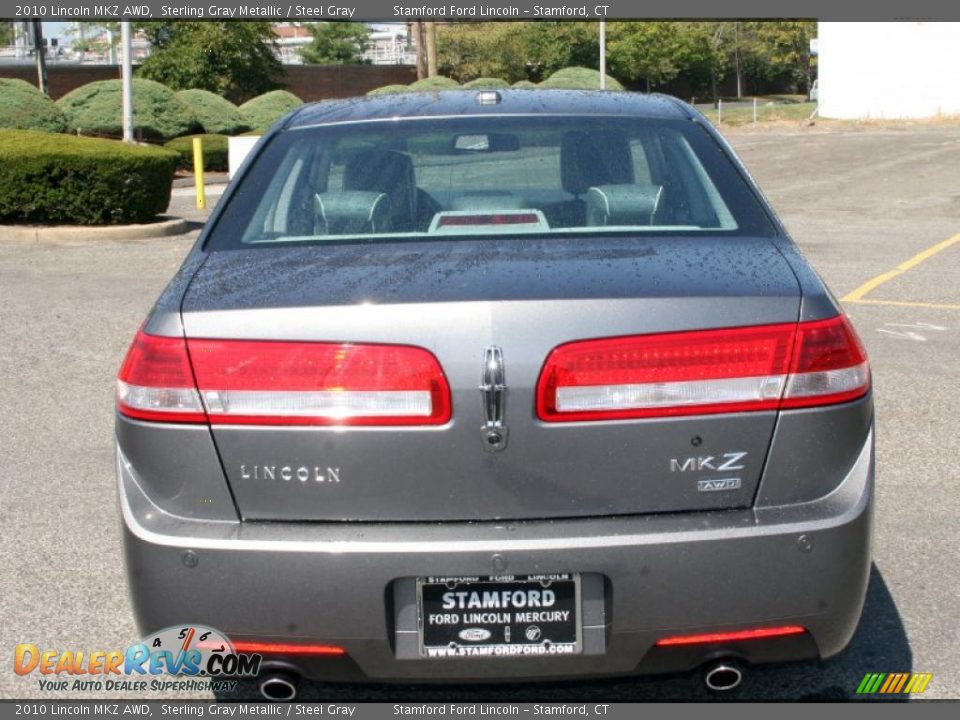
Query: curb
point(94, 233)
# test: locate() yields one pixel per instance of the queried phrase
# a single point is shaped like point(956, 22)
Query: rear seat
point(588, 160)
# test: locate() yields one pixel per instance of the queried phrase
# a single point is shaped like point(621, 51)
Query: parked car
point(475, 386)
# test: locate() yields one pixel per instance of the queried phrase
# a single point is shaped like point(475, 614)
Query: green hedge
point(96, 109)
point(572, 78)
point(389, 90)
point(24, 107)
point(434, 83)
point(215, 114)
point(215, 154)
point(264, 110)
point(62, 179)
point(578, 78)
point(485, 82)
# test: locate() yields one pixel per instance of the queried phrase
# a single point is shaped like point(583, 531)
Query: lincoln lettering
point(289, 473)
point(476, 600)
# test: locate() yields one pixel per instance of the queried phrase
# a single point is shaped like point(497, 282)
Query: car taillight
point(253, 382)
point(156, 383)
point(829, 365)
point(764, 367)
point(734, 636)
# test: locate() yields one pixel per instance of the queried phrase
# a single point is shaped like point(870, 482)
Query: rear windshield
point(443, 178)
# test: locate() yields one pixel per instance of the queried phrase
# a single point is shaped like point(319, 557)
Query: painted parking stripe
point(903, 303)
point(872, 284)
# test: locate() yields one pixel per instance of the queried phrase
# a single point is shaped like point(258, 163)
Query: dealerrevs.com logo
point(204, 655)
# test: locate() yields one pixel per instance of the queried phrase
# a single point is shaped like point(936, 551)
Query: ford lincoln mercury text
point(471, 386)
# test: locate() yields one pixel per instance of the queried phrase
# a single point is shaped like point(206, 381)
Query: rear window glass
point(487, 176)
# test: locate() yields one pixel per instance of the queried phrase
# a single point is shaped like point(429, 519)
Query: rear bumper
point(343, 584)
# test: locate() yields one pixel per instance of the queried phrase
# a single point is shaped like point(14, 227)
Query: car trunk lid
point(458, 300)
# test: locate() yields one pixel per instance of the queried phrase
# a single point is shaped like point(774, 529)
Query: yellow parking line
point(874, 283)
point(903, 303)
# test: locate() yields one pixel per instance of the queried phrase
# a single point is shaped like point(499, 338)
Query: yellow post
point(198, 173)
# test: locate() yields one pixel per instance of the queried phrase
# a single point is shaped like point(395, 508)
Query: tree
point(6, 32)
point(550, 45)
point(706, 52)
point(470, 50)
point(789, 47)
point(233, 59)
point(646, 51)
point(336, 43)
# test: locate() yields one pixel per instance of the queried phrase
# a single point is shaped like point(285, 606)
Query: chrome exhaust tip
point(279, 687)
point(723, 676)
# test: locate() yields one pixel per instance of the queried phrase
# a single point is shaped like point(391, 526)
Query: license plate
point(513, 615)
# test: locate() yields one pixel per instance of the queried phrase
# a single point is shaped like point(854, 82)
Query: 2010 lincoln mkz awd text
point(471, 386)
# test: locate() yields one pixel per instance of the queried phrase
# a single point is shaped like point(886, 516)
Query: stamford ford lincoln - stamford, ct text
point(497, 385)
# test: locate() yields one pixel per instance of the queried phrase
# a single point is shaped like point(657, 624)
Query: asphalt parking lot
point(871, 208)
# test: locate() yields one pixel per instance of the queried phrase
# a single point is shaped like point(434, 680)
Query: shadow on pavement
point(879, 645)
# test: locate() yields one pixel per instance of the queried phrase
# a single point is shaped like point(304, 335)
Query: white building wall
point(889, 70)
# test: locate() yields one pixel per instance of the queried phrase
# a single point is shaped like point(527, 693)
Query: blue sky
point(54, 29)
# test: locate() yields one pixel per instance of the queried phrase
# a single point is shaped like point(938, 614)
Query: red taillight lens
point(269, 648)
point(312, 383)
point(736, 635)
point(282, 383)
point(829, 365)
point(703, 372)
point(155, 381)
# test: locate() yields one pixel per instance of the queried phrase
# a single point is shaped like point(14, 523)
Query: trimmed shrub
point(47, 178)
point(264, 110)
point(96, 109)
point(426, 85)
point(578, 78)
point(215, 114)
point(389, 90)
point(215, 155)
point(484, 82)
point(525, 84)
point(24, 107)
point(437, 82)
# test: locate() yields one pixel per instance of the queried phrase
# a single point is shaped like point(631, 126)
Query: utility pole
point(39, 52)
point(127, 70)
point(431, 49)
point(603, 54)
point(736, 61)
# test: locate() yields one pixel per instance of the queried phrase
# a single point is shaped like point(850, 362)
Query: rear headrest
point(622, 204)
point(351, 213)
point(385, 171)
point(589, 159)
